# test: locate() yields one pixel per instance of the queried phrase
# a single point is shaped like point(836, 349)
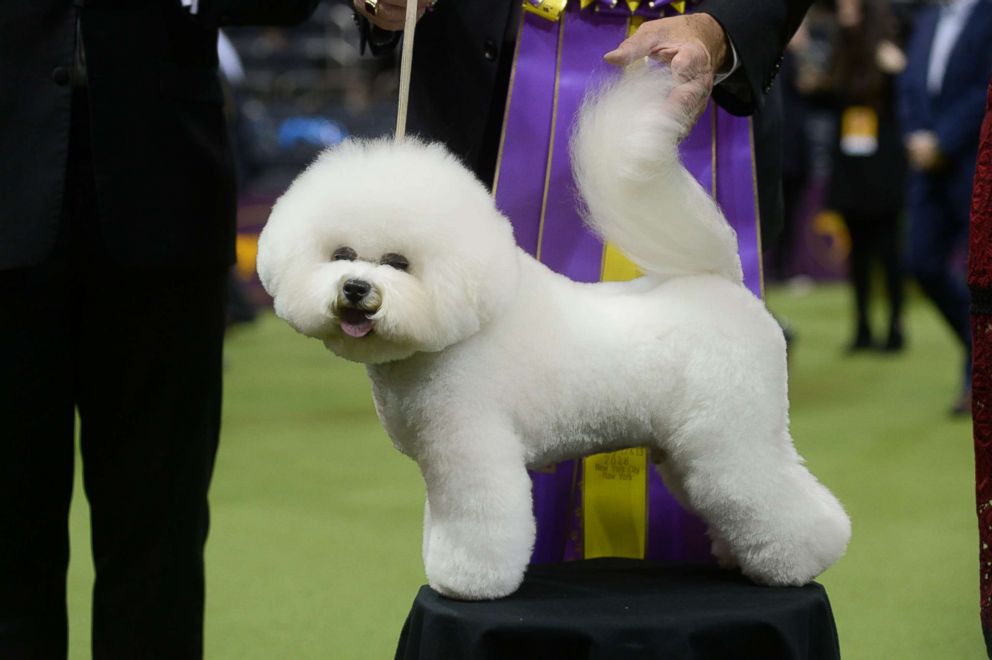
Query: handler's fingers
point(687, 101)
point(636, 46)
point(689, 61)
point(390, 14)
point(692, 73)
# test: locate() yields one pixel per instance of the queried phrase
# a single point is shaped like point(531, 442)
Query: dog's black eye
point(344, 254)
point(393, 260)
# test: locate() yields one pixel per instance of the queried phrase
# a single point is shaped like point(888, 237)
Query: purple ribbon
point(736, 187)
point(534, 188)
point(568, 246)
point(523, 156)
point(645, 9)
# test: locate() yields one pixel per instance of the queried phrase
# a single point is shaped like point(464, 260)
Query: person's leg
point(148, 393)
point(36, 460)
point(150, 416)
point(859, 268)
point(888, 239)
point(934, 233)
point(39, 331)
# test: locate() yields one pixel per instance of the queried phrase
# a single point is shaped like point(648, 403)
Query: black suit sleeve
point(759, 31)
point(218, 13)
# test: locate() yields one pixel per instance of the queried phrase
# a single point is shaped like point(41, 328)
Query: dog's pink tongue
point(355, 323)
point(356, 329)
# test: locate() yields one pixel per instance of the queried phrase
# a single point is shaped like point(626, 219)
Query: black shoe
point(862, 342)
point(962, 406)
point(895, 342)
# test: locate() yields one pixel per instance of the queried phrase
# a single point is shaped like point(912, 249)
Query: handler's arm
point(700, 46)
point(759, 31)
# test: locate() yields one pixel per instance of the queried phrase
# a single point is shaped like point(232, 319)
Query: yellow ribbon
point(614, 486)
point(549, 9)
point(553, 9)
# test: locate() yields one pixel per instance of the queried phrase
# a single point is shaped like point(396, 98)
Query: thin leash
point(406, 64)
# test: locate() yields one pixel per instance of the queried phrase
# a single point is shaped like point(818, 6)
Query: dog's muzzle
point(356, 308)
point(356, 290)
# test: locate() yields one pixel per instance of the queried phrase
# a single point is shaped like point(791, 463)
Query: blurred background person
point(868, 166)
point(941, 103)
point(810, 247)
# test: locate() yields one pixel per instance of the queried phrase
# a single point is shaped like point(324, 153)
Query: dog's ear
point(265, 266)
point(490, 265)
point(498, 268)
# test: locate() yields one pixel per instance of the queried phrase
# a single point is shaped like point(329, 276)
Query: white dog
point(483, 362)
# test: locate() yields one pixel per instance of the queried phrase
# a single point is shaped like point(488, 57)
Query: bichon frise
point(484, 362)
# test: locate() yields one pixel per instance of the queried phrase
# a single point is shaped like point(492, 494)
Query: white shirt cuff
point(191, 5)
point(720, 77)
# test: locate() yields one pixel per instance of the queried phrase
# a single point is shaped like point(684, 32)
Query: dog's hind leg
point(479, 527)
point(728, 444)
point(673, 482)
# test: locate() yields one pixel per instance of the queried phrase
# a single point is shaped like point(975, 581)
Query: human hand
point(923, 150)
point(389, 14)
point(890, 58)
point(694, 46)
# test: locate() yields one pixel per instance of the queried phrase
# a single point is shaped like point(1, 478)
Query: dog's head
point(382, 250)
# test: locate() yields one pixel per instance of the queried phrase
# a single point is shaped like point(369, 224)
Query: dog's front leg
point(478, 525)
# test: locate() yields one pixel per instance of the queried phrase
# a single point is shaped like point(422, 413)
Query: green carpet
point(314, 550)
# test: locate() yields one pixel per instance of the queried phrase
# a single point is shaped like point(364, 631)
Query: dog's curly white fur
point(483, 362)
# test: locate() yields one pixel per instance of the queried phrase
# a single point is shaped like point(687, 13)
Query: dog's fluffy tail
point(638, 195)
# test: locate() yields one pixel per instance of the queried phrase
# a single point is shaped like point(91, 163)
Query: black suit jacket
point(463, 56)
point(164, 175)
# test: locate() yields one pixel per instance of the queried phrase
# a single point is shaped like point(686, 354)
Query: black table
point(623, 608)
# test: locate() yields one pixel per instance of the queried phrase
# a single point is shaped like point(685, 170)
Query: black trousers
point(137, 353)
point(939, 209)
point(874, 236)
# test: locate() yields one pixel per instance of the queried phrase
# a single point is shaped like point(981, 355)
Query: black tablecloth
point(621, 608)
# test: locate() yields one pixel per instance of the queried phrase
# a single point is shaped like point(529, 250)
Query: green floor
point(314, 551)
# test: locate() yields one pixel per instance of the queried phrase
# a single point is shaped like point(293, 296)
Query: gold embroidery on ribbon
point(549, 9)
point(679, 6)
point(614, 497)
point(551, 142)
point(757, 208)
point(713, 110)
point(506, 108)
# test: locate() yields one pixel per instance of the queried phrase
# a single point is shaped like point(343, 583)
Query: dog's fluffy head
point(382, 250)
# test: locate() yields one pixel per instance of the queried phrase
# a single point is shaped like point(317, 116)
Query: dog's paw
point(798, 555)
point(721, 551)
point(456, 572)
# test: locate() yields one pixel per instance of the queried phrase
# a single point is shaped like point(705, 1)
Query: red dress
point(980, 282)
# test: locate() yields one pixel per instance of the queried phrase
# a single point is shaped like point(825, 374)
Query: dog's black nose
point(355, 290)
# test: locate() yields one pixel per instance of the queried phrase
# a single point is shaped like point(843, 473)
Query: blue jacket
point(955, 114)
